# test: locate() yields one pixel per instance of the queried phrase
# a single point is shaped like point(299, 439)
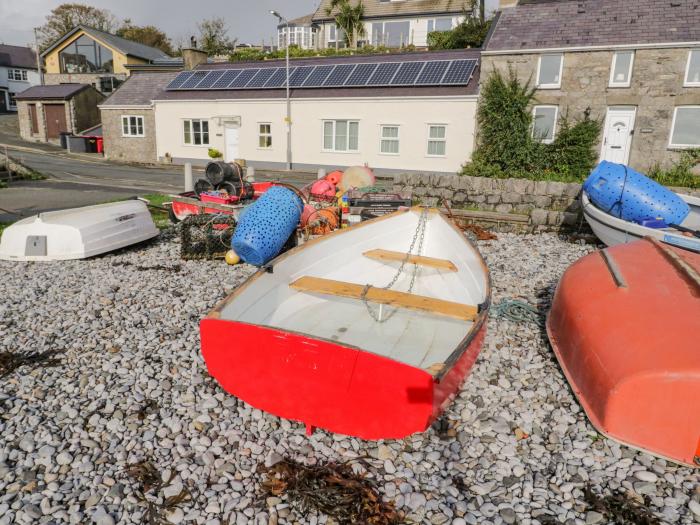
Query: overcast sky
point(248, 20)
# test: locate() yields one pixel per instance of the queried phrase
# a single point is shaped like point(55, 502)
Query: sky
point(248, 20)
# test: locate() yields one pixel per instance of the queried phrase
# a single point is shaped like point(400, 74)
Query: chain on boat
point(418, 237)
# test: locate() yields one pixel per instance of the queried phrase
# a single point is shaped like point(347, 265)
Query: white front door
point(617, 138)
point(231, 137)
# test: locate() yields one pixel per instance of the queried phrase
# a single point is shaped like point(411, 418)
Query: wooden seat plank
point(431, 262)
point(409, 301)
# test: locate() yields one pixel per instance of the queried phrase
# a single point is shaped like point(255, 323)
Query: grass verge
point(160, 217)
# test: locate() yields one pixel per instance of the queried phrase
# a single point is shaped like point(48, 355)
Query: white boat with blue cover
point(612, 230)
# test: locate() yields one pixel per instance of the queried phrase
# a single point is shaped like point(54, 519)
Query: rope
point(517, 311)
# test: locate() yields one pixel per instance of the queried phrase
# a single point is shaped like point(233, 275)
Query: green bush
point(505, 147)
point(680, 174)
point(470, 33)
point(215, 153)
point(247, 55)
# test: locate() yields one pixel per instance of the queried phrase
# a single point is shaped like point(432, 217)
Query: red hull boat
point(310, 340)
point(625, 327)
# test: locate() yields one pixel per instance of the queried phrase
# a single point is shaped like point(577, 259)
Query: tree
point(470, 33)
point(213, 37)
point(65, 17)
point(148, 35)
point(349, 19)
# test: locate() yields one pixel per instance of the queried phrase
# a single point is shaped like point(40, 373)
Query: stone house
point(45, 112)
point(18, 71)
point(86, 55)
point(128, 119)
point(632, 64)
point(393, 23)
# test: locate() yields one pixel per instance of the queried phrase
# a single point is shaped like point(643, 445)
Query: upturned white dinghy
point(368, 331)
point(612, 230)
point(78, 233)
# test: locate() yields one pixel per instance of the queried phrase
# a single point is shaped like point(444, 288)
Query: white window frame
point(11, 99)
point(554, 127)
point(671, 145)
point(192, 132)
point(396, 139)
point(335, 136)
point(613, 65)
point(23, 75)
point(267, 135)
point(561, 71)
point(433, 22)
point(128, 126)
point(430, 139)
point(686, 81)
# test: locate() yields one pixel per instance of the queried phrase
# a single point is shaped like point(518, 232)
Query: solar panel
point(339, 75)
point(318, 76)
point(242, 79)
point(279, 79)
point(433, 72)
point(407, 74)
point(383, 75)
point(210, 79)
point(195, 79)
point(460, 72)
point(300, 74)
point(180, 79)
point(360, 75)
point(262, 77)
point(228, 77)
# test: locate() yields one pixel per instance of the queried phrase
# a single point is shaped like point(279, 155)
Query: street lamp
point(284, 21)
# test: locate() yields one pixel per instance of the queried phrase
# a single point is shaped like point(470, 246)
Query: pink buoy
point(306, 214)
point(334, 177)
point(323, 188)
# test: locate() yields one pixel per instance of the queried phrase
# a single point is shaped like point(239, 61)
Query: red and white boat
point(625, 327)
point(317, 337)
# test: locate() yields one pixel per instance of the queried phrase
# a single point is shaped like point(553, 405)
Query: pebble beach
point(127, 385)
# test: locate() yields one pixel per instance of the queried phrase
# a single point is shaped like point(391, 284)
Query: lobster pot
point(267, 224)
point(218, 172)
point(627, 194)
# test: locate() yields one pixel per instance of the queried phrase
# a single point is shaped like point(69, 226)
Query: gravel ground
point(131, 386)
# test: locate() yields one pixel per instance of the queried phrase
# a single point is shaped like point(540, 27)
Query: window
point(692, 73)
point(196, 132)
point(389, 144)
point(336, 36)
point(544, 123)
point(549, 71)
point(84, 55)
point(13, 100)
point(108, 84)
point(391, 34)
point(264, 135)
point(437, 143)
point(621, 69)
point(439, 24)
point(132, 126)
point(685, 130)
point(17, 74)
point(341, 135)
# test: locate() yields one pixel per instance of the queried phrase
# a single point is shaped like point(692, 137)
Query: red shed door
point(55, 120)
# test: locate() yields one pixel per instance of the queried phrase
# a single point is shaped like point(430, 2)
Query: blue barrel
point(627, 194)
point(266, 225)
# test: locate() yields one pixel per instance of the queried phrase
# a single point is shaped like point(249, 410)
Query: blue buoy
point(266, 225)
point(627, 194)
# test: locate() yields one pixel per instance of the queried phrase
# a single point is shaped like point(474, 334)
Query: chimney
point(193, 57)
point(505, 4)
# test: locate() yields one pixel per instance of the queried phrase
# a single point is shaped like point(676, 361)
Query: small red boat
point(319, 337)
point(625, 327)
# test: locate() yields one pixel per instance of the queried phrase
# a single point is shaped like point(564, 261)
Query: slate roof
point(56, 92)
point(387, 9)
point(298, 93)
point(543, 24)
point(122, 45)
point(140, 89)
point(305, 20)
point(17, 56)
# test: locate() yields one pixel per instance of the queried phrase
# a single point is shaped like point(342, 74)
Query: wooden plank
point(409, 301)
point(209, 205)
point(487, 216)
point(386, 255)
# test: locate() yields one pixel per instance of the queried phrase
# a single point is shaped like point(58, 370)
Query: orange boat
point(625, 327)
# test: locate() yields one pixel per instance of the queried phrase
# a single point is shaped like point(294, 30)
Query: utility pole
point(289, 101)
point(38, 57)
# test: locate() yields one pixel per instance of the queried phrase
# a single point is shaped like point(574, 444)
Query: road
point(73, 181)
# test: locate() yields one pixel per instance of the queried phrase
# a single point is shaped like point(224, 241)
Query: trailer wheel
point(171, 215)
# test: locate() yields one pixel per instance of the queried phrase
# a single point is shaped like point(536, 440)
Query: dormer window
point(621, 69)
point(549, 71)
point(692, 70)
point(84, 55)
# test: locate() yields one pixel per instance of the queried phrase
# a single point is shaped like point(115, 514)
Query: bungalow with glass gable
point(402, 112)
point(632, 64)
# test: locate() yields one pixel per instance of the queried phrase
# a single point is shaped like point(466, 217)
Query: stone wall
point(129, 149)
point(656, 89)
point(548, 205)
point(82, 78)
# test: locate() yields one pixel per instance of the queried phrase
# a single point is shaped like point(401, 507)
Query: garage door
point(55, 120)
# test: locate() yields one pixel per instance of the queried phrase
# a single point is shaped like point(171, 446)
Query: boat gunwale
point(451, 360)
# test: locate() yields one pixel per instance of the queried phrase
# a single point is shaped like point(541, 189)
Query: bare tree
point(65, 17)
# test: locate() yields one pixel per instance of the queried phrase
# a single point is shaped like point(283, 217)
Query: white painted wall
point(412, 115)
point(15, 86)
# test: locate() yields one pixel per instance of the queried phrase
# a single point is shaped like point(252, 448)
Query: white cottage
point(18, 72)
